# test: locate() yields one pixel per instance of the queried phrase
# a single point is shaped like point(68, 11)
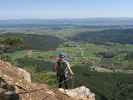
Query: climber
point(63, 71)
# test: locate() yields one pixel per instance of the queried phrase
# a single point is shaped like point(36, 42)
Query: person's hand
point(71, 75)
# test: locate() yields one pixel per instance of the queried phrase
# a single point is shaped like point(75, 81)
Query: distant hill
point(37, 42)
point(124, 36)
point(78, 21)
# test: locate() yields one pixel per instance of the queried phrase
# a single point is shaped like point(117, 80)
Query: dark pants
point(62, 80)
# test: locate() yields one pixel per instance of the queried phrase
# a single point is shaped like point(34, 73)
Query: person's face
point(61, 58)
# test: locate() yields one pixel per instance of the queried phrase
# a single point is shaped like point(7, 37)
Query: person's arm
point(69, 68)
point(55, 67)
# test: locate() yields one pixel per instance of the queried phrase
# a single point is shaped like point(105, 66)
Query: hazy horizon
point(79, 21)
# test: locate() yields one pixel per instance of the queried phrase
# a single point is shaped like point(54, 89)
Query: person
point(63, 71)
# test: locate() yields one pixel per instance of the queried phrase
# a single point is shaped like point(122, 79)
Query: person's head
point(62, 56)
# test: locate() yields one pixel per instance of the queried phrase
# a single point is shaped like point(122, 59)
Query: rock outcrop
point(15, 84)
point(80, 93)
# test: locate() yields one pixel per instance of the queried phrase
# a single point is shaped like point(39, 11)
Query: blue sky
point(51, 9)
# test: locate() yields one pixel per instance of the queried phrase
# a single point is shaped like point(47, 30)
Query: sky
point(53, 9)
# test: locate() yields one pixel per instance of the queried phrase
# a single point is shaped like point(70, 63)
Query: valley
point(101, 55)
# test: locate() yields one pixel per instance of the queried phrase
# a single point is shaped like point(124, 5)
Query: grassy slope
point(107, 86)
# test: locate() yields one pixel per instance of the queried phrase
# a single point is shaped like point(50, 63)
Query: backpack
point(62, 66)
